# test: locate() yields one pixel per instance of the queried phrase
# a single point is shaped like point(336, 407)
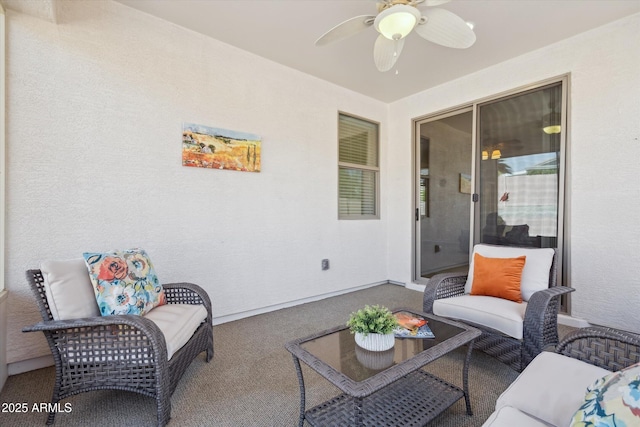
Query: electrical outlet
point(325, 264)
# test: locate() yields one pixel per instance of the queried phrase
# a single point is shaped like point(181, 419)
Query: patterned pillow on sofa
point(124, 282)
point(612, 401)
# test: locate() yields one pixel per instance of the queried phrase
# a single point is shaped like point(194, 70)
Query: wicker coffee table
point(382, 388)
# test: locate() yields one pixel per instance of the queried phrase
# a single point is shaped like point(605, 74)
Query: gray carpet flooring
point(251, 380)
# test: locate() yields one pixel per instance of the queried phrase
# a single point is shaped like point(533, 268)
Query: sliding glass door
point(519, 169)
point(444, 160)
point(491, 173)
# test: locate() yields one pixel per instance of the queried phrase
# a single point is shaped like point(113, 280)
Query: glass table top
point(339, 350)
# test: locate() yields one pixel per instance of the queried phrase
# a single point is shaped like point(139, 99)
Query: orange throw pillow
point(498, 277)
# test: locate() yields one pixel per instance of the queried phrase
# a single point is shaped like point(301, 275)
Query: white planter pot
point(375, 342)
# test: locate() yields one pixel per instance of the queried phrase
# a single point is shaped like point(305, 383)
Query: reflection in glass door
point(519, 169)
point(444, 161)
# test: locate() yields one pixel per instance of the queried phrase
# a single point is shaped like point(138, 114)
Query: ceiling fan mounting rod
point(386, 4)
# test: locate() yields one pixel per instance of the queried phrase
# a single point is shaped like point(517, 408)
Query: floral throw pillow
point(612, 401)
point(124, 282)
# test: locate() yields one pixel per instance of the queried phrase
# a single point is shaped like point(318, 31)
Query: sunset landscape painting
point(214, 148)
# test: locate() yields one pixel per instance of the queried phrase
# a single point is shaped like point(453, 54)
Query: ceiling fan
point(396, 19)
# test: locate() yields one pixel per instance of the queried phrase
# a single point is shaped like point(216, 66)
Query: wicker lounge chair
point(539, 324)
point(120, 352)
point(582, 383)
point(608, 348)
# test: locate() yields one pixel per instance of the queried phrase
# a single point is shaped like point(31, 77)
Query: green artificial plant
point(372, 320)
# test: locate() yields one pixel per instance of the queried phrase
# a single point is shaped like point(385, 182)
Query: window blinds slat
point(358, 141)
point(358, 145)
point(357, 192)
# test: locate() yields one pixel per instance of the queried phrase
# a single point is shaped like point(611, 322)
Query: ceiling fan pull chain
point(396, 41)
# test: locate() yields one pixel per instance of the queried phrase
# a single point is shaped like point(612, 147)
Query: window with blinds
point(358, 168)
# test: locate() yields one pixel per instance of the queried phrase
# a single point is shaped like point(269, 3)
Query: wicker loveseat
point(124, 352)
point(552, 390)
point(530, 326)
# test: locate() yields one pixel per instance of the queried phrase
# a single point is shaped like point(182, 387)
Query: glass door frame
point(564, 202)
point(417, 251)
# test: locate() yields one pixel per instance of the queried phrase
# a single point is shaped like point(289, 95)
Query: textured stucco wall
point(44, 9)
point(603, 190)
point(95, 109)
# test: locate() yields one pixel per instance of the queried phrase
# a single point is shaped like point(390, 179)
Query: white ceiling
point(284, 31)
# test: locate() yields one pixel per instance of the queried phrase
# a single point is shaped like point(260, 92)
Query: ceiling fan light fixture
point(549, 130)
point(485, 155)
point(397, 22)
point(495, 154)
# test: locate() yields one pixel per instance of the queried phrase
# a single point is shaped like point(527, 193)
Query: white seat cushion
point(551, 388)
point(535, 274)
point(177, 322)
point(68, 289)
point(496, 313)
point(511, 417)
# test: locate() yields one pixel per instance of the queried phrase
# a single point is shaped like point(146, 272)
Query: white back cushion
point(68, 289)
point(535, 275)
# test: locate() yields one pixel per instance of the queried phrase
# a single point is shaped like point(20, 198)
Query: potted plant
point(373, 327)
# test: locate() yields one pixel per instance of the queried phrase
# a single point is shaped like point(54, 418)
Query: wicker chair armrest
point(539, 304)
point(138, 322)
point(608, 348)
point(92, 335)
point(540, 328)
point(188, 293)
point(443, 285)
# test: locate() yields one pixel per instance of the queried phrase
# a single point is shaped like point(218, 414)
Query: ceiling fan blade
point(434, 2)
point(446, 28)
point(418, 3)
point(345, 29)
point(386, 52)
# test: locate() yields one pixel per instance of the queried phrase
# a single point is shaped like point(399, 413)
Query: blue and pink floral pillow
point(124, 282)
point(612, 401)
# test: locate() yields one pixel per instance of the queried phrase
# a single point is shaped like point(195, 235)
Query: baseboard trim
point(30, 365)
point(565, 319)
point(268, 309)
point(415, 287)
